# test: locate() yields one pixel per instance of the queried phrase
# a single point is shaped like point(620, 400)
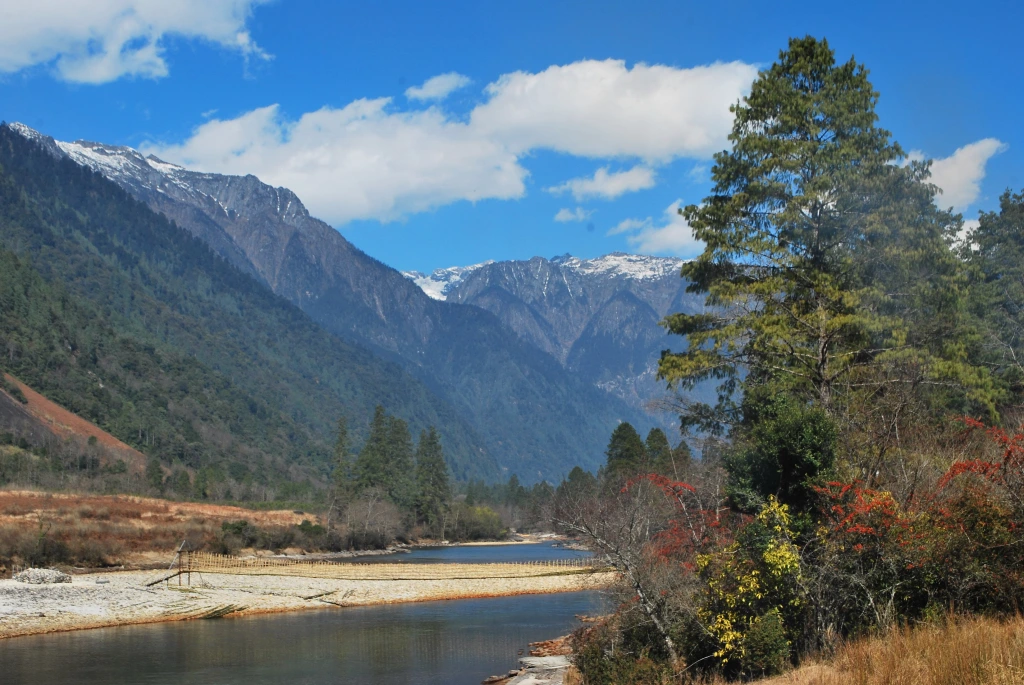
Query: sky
point(450, 133)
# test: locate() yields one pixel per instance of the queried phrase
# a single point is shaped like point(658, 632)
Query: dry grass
point(97, 530)
point(964, 652)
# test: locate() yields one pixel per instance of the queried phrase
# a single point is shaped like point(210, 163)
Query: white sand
point(123, 598)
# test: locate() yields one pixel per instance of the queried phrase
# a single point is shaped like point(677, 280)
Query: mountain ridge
point(537, 418)
point(132, 322)
point(600, 317)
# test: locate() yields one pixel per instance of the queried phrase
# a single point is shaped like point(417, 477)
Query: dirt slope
point(41, 416)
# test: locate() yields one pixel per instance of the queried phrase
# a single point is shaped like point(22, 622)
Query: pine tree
point(659, 453)
point(826, 264)
point(626, 452)
point(996, 250)
point(433, 490)
point(400, 467)
point(371, 465)
point(342, 473)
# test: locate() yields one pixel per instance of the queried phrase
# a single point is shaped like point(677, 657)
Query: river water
point(426, 643)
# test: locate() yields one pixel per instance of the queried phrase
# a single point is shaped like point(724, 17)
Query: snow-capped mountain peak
point(620, 264)
point(438, 283)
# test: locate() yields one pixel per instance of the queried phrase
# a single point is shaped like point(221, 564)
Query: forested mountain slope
point(536, 418)
point(114, 312)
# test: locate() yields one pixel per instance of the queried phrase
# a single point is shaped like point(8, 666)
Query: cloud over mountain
point(670, 235)
point(373, 160)
point(607, 185)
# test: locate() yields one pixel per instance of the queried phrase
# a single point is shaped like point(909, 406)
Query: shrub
point(766, 649)
point(790, 447)
point(756, 576)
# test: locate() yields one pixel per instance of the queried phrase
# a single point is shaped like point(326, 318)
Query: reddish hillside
point(58, 421)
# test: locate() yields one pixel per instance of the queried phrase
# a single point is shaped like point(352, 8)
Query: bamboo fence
point(204, 562)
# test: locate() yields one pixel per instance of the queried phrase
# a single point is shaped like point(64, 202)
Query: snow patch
point(26, 131)
point(622, 265)
point(438, 283)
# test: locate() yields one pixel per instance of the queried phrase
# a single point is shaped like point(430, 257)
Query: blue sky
point(603, 115)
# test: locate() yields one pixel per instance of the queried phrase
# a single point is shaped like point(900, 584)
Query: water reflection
point(425, 643)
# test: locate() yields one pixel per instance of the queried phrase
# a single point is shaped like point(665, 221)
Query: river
point(427, 643)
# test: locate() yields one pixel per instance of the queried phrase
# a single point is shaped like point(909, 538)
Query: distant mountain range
point(549, 357)
point(598, 317)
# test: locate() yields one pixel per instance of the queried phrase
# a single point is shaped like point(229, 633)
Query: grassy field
point(105, 530)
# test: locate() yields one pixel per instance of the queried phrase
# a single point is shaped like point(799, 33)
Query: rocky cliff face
point(536, 416)
point(598, 317)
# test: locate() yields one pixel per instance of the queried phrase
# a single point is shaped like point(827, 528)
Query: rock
point(42, 576)
point(539, 663)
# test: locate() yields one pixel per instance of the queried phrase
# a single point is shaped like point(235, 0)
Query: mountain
point(597, 317)
point(536, 417)
point(115, 313)
point(438, 283)
point(26, 414)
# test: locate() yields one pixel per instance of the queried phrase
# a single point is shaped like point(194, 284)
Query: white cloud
point(602, 109)
point(102, 40)
point(960, 175)
point(579, 214)
point(438, 87)
point(607, 185)
point(672, 235)
point(358, 162)
point(369, 160)
point(963, 236)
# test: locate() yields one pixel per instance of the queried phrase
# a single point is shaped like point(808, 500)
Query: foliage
point(475, 523)
point(12, 389)
point(789, 448)
point(753, 586)
point(386, 460)
point(626, 452)
point(825, 265)
point(996, 251)
point(844, 328)
point(433, 490)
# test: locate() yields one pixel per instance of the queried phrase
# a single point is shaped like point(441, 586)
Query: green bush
point(765, 650)
point(790, 448)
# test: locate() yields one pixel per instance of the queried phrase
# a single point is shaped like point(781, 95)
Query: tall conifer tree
point(433, 488)
point(626, 452)
point(826, 264)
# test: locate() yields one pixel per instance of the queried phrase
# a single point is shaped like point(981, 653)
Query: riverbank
point(122, 598)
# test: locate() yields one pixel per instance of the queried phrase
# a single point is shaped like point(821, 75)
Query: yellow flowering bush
point(753, 588)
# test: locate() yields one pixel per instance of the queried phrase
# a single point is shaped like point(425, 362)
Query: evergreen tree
point(996, 250)
point(579, 484)
point(154, 474)
point(386, 460)
point(400, 469)
point(515, 494)
point(659, 453)
point(371, 465)
point(433, 490)
point(826, 265)
point(626, 452)
point(343, 471)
